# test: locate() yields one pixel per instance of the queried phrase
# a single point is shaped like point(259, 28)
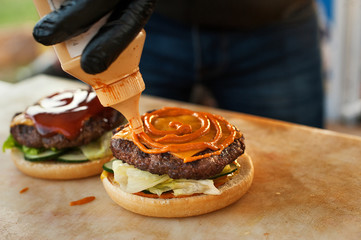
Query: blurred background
point(17, 48)
point(340, 29)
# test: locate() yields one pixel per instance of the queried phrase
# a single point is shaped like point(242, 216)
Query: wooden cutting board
point(307, 185)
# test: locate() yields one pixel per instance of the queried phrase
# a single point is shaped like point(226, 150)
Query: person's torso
point(231, 14)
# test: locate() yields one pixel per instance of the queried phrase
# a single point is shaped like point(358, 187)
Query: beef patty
point(92, 129)
point(166, 163)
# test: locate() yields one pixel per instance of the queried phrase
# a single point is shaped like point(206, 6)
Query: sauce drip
point(82, 201)
point(24, 190)
point(64, 112)
point(184, 132)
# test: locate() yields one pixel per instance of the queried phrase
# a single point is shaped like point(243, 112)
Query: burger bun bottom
point(231, 191)
point(57, 170)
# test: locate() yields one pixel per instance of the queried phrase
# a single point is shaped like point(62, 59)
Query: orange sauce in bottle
point(121, 85)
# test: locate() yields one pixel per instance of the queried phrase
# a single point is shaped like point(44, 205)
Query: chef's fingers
point(72, 18)
point(122, 27)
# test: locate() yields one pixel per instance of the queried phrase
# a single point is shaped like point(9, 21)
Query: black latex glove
point(77, 16)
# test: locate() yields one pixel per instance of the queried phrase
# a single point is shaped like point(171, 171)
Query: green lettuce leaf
point(99, 148)
point(10, 143)
point(186, 187)
point(132, 180)
point(31, 151)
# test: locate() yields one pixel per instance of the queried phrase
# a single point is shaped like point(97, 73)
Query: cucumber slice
point(75, 156)
point(230, 168)
point(47, 155)
point(108, 166)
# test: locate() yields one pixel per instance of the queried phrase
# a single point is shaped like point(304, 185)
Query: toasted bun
point(187, 206)
point(57, 170)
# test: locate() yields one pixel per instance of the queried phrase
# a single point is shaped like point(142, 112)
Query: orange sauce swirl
point(180, 131)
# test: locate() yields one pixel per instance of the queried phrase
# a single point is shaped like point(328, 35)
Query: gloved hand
point(77, 16)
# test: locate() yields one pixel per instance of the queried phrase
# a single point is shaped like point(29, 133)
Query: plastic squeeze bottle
point(121, 85)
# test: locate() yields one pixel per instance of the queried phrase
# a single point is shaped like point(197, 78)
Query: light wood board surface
point(307, 185)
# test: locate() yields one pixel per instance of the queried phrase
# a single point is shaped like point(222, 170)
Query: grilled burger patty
point(92, 129)
point(166, 163)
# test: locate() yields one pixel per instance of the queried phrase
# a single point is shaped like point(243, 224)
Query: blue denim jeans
point(274, 71)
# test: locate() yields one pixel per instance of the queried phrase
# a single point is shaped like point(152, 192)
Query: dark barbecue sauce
point(64, 112)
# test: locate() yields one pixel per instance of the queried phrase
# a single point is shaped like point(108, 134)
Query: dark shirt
point(233, 14)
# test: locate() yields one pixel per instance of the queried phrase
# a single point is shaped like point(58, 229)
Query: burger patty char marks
point(92, 129)
point(166, 163)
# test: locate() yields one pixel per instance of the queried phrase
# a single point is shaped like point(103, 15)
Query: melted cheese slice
point(21, 119)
